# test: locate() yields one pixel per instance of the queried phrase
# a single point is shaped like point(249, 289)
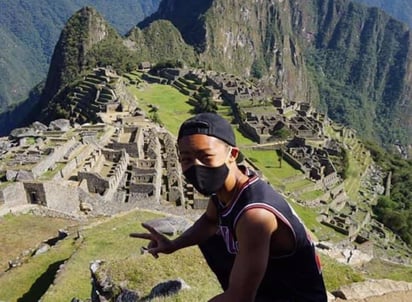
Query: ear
point(234, 153)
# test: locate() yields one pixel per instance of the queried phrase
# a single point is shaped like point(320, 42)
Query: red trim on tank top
point(228, 208)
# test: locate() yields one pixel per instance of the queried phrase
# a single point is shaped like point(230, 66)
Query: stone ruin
point(96, 169)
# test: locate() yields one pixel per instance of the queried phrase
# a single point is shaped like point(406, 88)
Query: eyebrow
point(205, 150)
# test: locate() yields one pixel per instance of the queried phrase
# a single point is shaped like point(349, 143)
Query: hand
point(159, 243)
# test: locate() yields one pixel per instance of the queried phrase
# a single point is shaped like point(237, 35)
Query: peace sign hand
point(159, 243)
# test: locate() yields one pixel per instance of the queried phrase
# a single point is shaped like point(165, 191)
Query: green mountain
point(29, 31)
point(400, 9)
point(351, 61)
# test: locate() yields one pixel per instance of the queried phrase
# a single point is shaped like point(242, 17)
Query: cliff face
point(362, 61)
point(243, 37)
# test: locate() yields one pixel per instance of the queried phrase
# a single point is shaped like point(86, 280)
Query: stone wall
point(50, 160)
point(95, 183)
point(13, 195)
point(131, 148)
point(62, 196)
point(68, 169)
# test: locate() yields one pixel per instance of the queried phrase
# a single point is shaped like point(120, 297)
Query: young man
point(250, 237)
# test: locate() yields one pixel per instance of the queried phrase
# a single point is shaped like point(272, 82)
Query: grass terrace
point(268, 162)
point(311, 195)
point(173, 106)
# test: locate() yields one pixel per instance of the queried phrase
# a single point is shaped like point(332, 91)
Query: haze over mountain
point(29, 31)
point(400, 9)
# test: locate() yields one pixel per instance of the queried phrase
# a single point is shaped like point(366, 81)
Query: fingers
point(154, 236)
point(151, 229)
point(141, 235)
point(151, 236)
point(154, 253)
point(149, 250)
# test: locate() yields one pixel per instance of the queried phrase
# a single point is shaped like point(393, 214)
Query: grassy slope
point(24, 232)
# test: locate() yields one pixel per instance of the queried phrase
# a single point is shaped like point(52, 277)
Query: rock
point(104, 289)
point(23, 175)
point(23, 132)
point(42, 249)
point(168, 288)
point(330, 297)
point(11, 175)
point(60, 125)
point(86, 207)
point(170, 225)
point(127, 296)
point(371, 288)
point(40, 127)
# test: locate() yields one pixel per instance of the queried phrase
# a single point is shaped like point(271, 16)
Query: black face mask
point(207, 180)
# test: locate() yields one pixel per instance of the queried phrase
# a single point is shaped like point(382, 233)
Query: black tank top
point(293, 277)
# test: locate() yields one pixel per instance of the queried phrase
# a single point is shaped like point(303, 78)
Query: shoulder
point(256, 221)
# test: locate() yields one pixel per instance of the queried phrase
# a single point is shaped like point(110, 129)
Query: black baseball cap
point(210, 124)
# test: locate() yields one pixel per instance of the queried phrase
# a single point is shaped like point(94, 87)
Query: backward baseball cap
point(210, 124)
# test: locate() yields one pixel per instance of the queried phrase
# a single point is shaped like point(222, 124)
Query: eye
point(206, 159)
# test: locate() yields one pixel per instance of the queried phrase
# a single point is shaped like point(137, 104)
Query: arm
point(254, 231)
point(202, 229)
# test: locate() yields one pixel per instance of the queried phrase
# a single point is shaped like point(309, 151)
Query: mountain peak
point(186, 16)
point(82, 31)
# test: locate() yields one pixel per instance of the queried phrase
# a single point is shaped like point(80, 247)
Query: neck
point(232, 186)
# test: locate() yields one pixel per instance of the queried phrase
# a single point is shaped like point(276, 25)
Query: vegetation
point(123, 259)
point(111, 52)
point(395, 208)
point(161, 43)
point(24, 232)
point(342, 64)
point(27, 61)
point(204, 102)
point(172, 106)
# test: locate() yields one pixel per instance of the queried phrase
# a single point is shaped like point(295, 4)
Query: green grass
point(268, 163)
point(318, 230)
point(353, 175)
point(187, 264)
point(109, 241)
point(311, 195)
point(49, 174)
point(22, 232)
point(298, 185)
point(378, 269)
point(31, 280)
point(336, 274)
point(173, 106)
